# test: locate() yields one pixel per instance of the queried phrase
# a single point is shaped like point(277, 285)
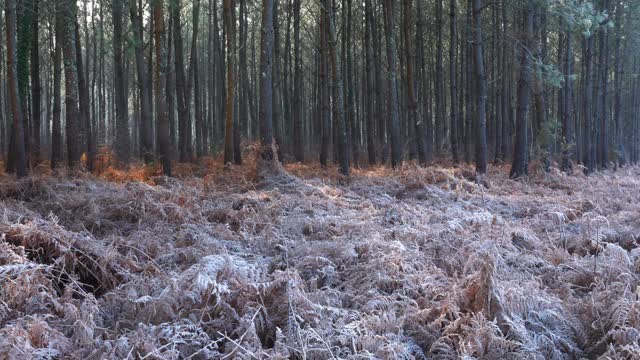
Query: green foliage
point(549, 73)
point(582, 16)
point(549, 131)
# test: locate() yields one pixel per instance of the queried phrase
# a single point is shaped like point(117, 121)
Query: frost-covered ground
point(419, 263)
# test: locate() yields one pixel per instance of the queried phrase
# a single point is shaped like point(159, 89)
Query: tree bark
point(72, 102)
point(19, 151)
point(439, 83)
point(481, 91)
point(323, 87)
point(392, 72)
point(56, 130)
point(619, 76)
point(146, 114)
point(370, 81)
point(122, 116)
point(589, 128)
point(164, 144)
point(602, 105)
point(298, 119)
point(453, 44)
point(230, 39)
point(35, 84)
point(338, 92)
point(519, 166)
point(83, 97)
point(266, 83)
point(414, 119)
point(277, 83)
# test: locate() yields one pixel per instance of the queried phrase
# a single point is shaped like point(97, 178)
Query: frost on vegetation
point(414, 264)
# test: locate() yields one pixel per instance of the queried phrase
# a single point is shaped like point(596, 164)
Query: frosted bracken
point(413, 264)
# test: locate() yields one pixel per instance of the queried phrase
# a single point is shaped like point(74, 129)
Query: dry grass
point(409, 264)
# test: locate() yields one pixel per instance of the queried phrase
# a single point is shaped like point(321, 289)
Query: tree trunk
point(146, 114)
point(56, 130)
point(83, 97)
point(72, 102)
point(568, 142)
point(589, 128)
point(122, 116)
point(468, 129)
point(266, 83)
point(230, 34)
point(499, 86)
point(323, 87)
point(619, 76)
point(237, 156)
point(411, 97)
point(277, 85)
point(453, 44)
point(197, 104)
point(286, 81)
point(353, 139)
point(191, 84)
point(170, 92)
point(439, 83)
point(102, 96)
point(481, 91)
point(181, 84)
point(380, 106)
point(298, 119)
point(603, 95)
point(519, 166)
point(164, 144)
point(19, 151)
point(243, 73)
point(338, 92)
point(544, 130)
point(35, 85)
point(392, 72)
point(370, 81)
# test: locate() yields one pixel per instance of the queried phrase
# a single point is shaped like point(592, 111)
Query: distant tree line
point(354, 83)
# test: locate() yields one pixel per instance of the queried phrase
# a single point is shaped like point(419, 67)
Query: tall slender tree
point(453, 78)
point(162, 126)
point(298, 120)
point(266, 83)
point(519, 167)
point(72, 99)
point(411, 97)
point(36, 89)
point(56, 127)
point(370, 83)
point(618, 77)
point(323, 89)
point(392, 73)
point(122, 117)
point(277, 82)
point(589, 132)
point(481, 90)
point(146, 114)
point(338, 91)
point(19, 151)
point(230, 41)
point(439, 92)
point(86, 134)
point(568, 142)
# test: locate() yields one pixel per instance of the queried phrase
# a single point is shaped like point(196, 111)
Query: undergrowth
point(412, 264)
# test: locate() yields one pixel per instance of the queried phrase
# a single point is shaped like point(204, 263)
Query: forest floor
point(416, 263)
